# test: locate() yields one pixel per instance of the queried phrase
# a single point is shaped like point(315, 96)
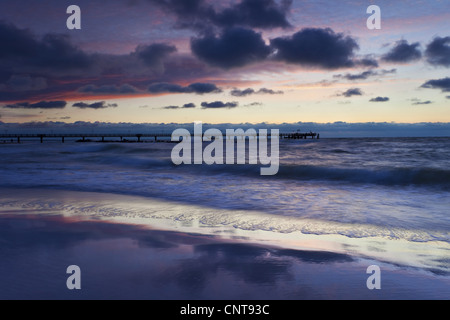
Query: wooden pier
point(85, 137)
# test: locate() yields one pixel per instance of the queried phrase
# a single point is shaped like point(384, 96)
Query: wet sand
point(139, 261)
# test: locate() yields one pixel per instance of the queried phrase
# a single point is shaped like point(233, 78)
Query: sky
point(233, 61)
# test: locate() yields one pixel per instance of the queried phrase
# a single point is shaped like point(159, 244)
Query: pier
point(128, 137)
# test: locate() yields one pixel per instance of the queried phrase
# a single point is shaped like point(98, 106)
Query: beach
point(143, 257)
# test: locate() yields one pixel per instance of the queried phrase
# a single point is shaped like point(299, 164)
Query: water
point(393, 189)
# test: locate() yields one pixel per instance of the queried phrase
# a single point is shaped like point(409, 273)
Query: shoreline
point(250, 226)
point(209, 255)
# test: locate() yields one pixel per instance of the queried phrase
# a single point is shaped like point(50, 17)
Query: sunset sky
point(230, 61)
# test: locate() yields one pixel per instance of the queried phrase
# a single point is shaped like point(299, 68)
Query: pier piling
point(84, 137)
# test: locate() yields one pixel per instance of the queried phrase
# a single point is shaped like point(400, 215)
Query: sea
point(386, 199)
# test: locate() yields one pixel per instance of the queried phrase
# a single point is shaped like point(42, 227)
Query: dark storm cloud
point(380, 99)
point(443, 84)
point(154, 54)
point(403, 52)
point(37, 67)
point(55, 52)
point(189, 105)
point(197, 88)
point(26, 83)
point(39, 105)
point(198, 14)
point(95, 105)
point(321, 48)
point(219, 105)
point(250, 91)
point(438, 52)
point(352, 92)
point(235, 47)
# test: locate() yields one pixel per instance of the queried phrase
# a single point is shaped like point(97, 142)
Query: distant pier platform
point(128, 137)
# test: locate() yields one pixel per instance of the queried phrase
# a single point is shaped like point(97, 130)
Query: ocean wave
point(157, 157)
point(400, 176)
point(384, 176)
point(388, 176)
point(131, 208)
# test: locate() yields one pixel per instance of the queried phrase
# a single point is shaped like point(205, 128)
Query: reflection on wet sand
point(121, 261)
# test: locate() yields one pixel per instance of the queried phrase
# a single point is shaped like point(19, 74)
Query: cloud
point(269, 91)
point(366, 62)
point(438, 52)
point(352, 92)
point(360, 76)
point(108, 89)
point(26, 83)
point(235, 47)
point(242, 93)
point(443, 84)
point(39, 105)
point(379, 99)
point(51, 51)
point(313, 47)
point(185, 106)
point(197, 88)
point(250, 91)
point(403, 52)
point(201, 88)
point(418, 102)
point(95, 105)
point(153, 55)
point(254, 104)
point(199, 14)
point(265, 14)
point(364, 75)
point(166, 88)
point(448, 97)
point(219, 105)
point(36, 67)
